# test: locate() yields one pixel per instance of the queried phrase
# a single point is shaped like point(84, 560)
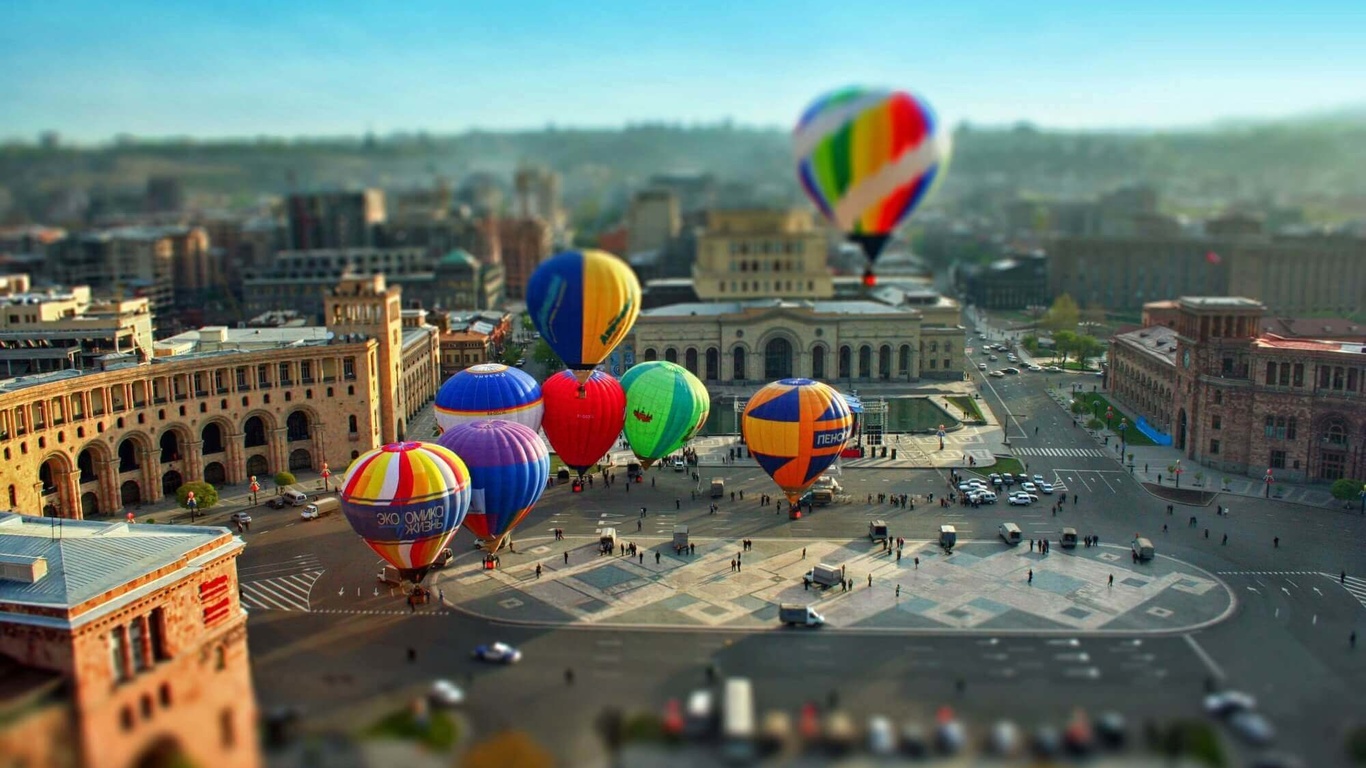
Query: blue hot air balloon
point(489, 391)
point(508, 465)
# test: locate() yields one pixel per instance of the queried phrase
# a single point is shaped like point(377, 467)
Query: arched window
point(845, 364)
point(903, 366)
point(738, 364)
point(650, 355)
point(671, 355)
point(351, 424)
point(713, 364)
point(690, 361)
point(818, 363)
point(865, 362)
point(777, 359)
point(884, 361)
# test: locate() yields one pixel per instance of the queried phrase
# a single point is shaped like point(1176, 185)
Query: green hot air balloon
point(665, 407)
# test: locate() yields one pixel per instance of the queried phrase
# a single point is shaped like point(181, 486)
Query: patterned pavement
point(983, 585)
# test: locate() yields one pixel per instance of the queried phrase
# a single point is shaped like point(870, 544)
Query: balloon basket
point(578, 486)
point(490, 562)
point(639, 478)
point(794, 514)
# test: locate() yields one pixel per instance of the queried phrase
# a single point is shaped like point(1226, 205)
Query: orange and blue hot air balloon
point(583, 303)
point(489, 391)
point(867, 157)
point(406, 500)
point(795, 429)
point(509, 466)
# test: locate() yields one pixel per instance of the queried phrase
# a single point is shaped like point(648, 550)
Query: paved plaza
point(982, 586)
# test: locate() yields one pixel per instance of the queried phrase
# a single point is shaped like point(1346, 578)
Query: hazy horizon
point(93, 71)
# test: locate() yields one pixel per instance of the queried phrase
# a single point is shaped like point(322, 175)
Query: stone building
point(758, 253)
point(749, 342)
point(63, 328)
point(1240, 400)
point(251, 401)
point(525, 244)
point(129, 644)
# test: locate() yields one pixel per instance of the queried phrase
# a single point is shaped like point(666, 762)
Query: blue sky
point(93, 69)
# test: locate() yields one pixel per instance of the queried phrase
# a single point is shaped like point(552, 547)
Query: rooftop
point(223, 335)
point(1315, 328)
point(1220, 302)
point(85, 559)
point(719, 308)
point(1157, 340)
point(1272, 341)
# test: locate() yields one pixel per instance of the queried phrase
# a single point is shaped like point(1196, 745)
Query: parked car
point(1045, 487)
point(1038, 478)
point(444, 693)
point(1111, 730)
point(1029, 487)
point(1012, 371)
point(1022, 499)
point(914, 742)
point(276, 502)
point(1053, 369)
point(881, 736)
point(993, 358)
point(1225, 703)
point(982, 496)
point(981, 366)
point(1007, 478)
point(497, 653)
point(1252, 728)
point(1047, 742)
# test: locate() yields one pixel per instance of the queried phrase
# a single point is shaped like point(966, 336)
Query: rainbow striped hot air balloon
point(665, 406)
point(489, 391)
point(406, 501)
point(509, 466)
point(795, 429)
point(867, 157)
point(583, 303)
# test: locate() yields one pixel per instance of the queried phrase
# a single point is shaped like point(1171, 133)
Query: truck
point(792, 615)
point(825, 575)
point(718, 488)
point(607, 540)
point(948, 536)
point(1068, 538)
point(323, 506)
point(680, 541)
point(877, 530)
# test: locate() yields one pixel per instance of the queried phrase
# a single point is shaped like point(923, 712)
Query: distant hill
point(1320, 160)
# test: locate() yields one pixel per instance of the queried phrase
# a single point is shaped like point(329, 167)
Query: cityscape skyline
point(92, 73)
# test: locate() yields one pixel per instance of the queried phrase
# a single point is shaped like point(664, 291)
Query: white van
point(1010, 533)
point(1143, 548)
point(294, 498)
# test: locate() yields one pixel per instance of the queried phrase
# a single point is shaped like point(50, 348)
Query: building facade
point(247, 402)
point(752, 342)
point(652, 220)
point(67, 328)
point(751, 254)
point(142, 625)
point(1246, 401)
point(525, 244)
point(333, 220)
point(1015, 282)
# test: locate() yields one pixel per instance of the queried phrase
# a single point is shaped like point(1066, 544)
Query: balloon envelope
point(508, 465)
point(867, 157)
point(795, 429)
point(583, 303)
point(582, 429)
point(665, 406)
point(406, 501)
point(489, 391)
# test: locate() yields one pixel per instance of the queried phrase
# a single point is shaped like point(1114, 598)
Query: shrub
point(205, 496)
point(283, 479)
point(1345, 489)
point(1095, 423)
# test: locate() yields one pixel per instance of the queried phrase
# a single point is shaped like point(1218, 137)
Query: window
point(933, 363)
point(126, 718)
point(1290, 428)
point(947, 363)
point(1284, 379)
point(241, 378)
point(156, 624)
point(118, 654)
point(1270, 374)
point(225, 729)
point(1216, 422)
point(1218, 397)
point(1214, 447)
point(1277, 460)
point(349, 368)
point(1270, 428)
point(1299, 374)
point(306, 371)
point(137, 635)
point(948, 346)
point(164, 694)
point(351, 422)
point(284, 374)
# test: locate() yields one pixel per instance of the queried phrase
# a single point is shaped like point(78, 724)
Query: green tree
point(546, 356)
point(1087, 347)
point(511, 354)
point(1064, 342)
point(205, 496)
point(1063, 315)
point(284, 479)
point(1346, 490)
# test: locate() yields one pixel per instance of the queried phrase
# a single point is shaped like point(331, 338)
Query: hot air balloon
point(665, 407)
point(406, 501)
point(508, 465)
point(489, 391)
point(795, 429)
point(583, 303)
point(583, 429)
point(867, 157)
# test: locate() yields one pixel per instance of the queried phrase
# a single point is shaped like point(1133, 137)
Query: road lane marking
point(1209, 662)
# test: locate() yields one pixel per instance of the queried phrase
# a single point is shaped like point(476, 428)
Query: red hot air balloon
point(582, 425)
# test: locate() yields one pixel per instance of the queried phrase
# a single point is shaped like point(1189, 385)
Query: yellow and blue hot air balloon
point(406, 501)
point(795, 429)
point(583, 303)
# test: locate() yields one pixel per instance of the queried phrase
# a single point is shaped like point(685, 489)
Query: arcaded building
point(217, 405)
point(125, 645)
point(1238, 399)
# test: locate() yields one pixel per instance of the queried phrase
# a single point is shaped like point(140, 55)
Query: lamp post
point(1269, 480)
point(255, 489)
point(1177, 472)
point(1123, 435)
point(327, 473)
point(191, 504)
point(1363, 499)
point(941, 437)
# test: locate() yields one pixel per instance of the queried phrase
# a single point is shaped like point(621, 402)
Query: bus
point(737, 721)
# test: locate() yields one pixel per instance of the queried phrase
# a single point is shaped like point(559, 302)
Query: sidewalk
point(231, 498)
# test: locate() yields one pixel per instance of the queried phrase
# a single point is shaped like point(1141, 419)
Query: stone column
point(69, 492)
point(236, 461)
point(319, 447)
point(110, 499)
point(151, 475)
point(279, 449)
point(194, 461)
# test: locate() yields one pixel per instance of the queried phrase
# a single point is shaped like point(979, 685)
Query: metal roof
point(86, 558)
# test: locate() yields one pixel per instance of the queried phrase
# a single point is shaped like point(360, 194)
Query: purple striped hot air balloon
point(509, 466)
point(406, 501)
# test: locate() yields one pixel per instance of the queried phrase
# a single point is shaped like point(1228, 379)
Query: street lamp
point(255, 489)
point(327, 473)
point(941, 437)
point(1363, 499)
point(1177, 472)
point(1269, 480)
point(191, 504)
point(1123, 434)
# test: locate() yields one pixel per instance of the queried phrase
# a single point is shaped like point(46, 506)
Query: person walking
point(804, 553)
point(1225, 541)
point(538, 570)
point(566, 558)
point(1112, 579)
point(1276, 542)
point(870, 579)
point(678, 503)
point(1352, 639)
point(656, 557)
point(637, 525)
point(1342, 579)
point(1031, 575)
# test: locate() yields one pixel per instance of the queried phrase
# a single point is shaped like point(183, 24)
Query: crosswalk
point(1356, 586)
point(1085, 453)
point(283, 586)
